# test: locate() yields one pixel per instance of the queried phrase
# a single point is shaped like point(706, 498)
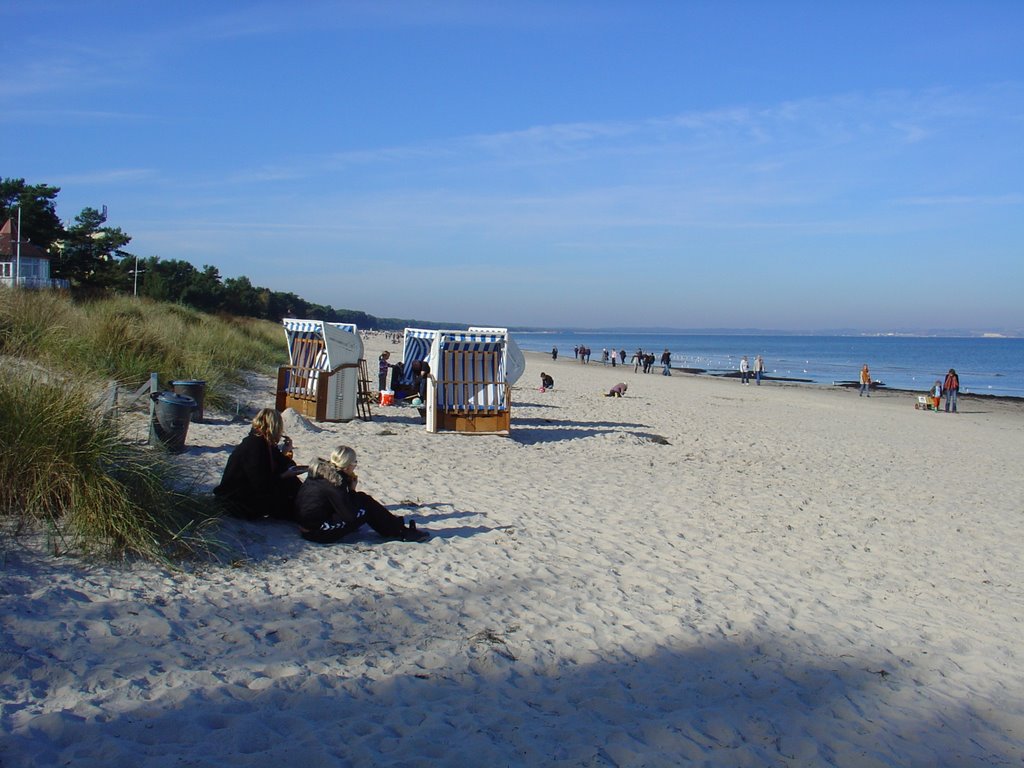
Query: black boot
point(414, 534)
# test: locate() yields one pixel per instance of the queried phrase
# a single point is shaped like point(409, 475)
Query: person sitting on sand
point(261, 479)
point(618, 390)
point(329, 507)
point(546, 382)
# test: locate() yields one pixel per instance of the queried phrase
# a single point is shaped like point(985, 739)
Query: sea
point(985, 365)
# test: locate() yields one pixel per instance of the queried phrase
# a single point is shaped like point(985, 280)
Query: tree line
point(91, 256)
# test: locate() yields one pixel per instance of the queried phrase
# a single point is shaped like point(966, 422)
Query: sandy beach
point(699, 573)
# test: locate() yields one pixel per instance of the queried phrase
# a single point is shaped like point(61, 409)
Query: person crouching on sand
point(618, 390)
point(329, 507)
point(546, 382)
point(261, 479)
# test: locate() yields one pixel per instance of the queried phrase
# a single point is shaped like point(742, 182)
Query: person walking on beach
point(576, 351)
point(554, 353)
point(666, 363)
point(745, 370)
point(637, 359)
point(758, 369)
point(951, 386)
point(865, 381)
point(622, 356)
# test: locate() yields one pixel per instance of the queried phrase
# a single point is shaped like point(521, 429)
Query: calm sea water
point(985, 366)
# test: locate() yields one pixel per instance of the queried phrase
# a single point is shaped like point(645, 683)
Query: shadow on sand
point(480, 692)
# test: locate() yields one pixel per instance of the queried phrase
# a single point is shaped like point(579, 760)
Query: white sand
point(799, 577)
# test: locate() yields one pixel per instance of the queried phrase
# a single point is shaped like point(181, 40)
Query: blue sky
point(789, 165)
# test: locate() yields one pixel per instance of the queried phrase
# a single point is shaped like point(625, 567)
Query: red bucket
point(387, 397)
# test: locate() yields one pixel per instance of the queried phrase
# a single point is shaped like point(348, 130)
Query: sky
point(683, 164)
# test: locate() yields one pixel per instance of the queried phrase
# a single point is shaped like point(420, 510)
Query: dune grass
point(124, 339)
point(64, 466)
point(66, 470)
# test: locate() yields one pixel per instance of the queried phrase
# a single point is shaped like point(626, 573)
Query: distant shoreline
point(789, 381)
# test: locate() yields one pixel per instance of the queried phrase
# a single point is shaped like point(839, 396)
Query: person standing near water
point(554, 353)
point(758, 369)
point(951, 386)
point(666, 363)
point(865, 381)
point(745, 370)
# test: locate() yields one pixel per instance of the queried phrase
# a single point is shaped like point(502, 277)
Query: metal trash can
point(197, 391)
point(171, 416)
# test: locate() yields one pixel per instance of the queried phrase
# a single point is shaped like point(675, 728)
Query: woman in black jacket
point(329, 507)
point(261, 479)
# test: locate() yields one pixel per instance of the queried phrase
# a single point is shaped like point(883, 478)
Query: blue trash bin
point(197, 391)
point(171, 416)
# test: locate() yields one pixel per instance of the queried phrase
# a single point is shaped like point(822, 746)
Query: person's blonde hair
point(268, 424)
point(343, 457)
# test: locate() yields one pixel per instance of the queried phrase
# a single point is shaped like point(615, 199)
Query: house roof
point(8, 244)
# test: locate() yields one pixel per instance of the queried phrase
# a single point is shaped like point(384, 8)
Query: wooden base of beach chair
point(492, 423)
point(296, 390)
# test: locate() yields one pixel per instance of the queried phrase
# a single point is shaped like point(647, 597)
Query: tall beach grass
point(126, 339)
point(65, 468)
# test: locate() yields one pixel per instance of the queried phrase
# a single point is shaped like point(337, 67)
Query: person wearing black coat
point(260, 479)
point(328, 506)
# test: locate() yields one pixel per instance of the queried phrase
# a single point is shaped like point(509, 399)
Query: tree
point(39, 221)
point(89, 254)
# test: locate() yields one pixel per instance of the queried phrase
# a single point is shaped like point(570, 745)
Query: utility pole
point(17, 263)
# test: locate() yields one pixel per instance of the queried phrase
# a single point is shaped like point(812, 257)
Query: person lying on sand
point(261, 479)
point(329, 507)
point(618, 390)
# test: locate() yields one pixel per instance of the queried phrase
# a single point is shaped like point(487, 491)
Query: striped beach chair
point(469, 390)
point(321, 379)
point(415, 347)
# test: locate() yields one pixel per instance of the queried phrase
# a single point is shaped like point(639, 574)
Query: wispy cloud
point(960, 200)
point(113, 176)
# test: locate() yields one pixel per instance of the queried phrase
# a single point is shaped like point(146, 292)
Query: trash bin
point(171, 416)
point(197, 391)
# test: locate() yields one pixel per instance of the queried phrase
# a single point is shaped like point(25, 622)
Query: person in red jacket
point(951, 388)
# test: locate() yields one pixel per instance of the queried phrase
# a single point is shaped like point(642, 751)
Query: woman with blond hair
point(329, 507)
point(261, 479)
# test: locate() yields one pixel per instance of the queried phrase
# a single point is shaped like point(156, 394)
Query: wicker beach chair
point(324, 371)
point(469, 390)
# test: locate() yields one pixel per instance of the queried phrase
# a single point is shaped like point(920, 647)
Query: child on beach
point(383, 364)
point(618, 390)
point(328, 506)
